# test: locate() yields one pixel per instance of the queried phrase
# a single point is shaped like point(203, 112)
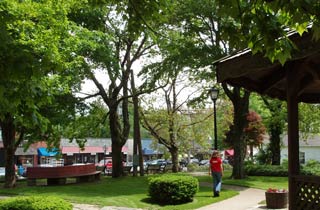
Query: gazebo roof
point(257, 73)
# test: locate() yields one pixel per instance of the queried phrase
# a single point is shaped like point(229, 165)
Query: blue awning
point(150, 152)
point(48, 152)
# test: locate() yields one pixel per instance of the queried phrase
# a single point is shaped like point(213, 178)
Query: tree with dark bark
point(204, 31)
point(137, 144)
point(113, 37)
point(173, 124)
point(35, 67)
point(236, 134)
point(276, 126)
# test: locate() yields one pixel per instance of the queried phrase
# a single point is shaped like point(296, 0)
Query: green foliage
point(38, 73)
point(312, 167)
point(176, 128)
point(309, 122)
point(35, 64)
point(173, 189)
point(35, 203)
point(266, 170)
point(92, 123)
point(193, 167)
point(263, 25)
point(264, 156)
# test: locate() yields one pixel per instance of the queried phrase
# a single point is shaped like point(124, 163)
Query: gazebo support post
point(293, 131)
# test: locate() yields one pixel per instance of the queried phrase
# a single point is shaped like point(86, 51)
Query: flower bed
point(276, 198)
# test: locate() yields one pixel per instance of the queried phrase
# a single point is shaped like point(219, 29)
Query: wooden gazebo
point(298, 80)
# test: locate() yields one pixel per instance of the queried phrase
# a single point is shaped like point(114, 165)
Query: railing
point(308, 192)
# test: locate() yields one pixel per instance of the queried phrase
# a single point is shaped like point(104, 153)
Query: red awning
point(88, 149)
point(229, 152)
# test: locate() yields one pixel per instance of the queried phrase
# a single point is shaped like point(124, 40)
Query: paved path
point(248, 199)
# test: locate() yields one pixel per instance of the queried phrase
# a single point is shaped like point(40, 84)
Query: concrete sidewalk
point(248, 199)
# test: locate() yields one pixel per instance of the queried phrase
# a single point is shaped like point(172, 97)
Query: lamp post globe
point(214, 92)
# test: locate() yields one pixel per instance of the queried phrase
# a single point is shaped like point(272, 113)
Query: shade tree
point(35, 66)
point(173, 124)
point(113, 36)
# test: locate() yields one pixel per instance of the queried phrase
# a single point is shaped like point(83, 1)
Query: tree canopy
point(263, 25)
point(37, 71)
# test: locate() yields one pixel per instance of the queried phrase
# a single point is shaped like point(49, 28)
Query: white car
point(2, 171)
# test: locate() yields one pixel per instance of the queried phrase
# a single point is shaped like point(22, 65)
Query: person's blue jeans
point(217, 179)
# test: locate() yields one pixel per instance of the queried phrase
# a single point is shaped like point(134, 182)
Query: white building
point(309, 149)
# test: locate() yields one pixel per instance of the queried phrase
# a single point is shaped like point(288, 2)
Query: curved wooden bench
point(58, 175)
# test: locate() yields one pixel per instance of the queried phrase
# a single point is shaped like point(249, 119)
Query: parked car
point(157, 162)
point(194, 160)
point(130, 164)
point(105, 166)
point(161, 162)
point(2, 171)
point(204, 163)
point(183, 163)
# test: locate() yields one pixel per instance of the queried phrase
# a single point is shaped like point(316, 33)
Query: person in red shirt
point(216, 170)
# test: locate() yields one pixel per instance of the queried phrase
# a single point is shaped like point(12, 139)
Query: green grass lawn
point(126, 192)
point(260, 182)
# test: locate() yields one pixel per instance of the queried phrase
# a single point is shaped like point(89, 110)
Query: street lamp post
point(214, 92)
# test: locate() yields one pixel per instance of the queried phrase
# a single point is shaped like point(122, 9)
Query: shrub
point(35, 203)
point(173, 189)
point(266, 170)
point(313, 163)
point(312, 167)
point(227, 167)
point(203, 168)
point(192, 167)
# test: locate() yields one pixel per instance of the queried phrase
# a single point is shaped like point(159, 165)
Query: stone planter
point(277, 200)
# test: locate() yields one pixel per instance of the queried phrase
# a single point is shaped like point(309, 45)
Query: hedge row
point(275, 170)
point(266, 170)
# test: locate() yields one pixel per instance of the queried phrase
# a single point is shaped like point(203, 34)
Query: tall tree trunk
point(117, 144)
point(117, 159)
point(136, 128)
point(275, 131)
point(240, 101)
point(275, 126)
point(241, 109)
point(174, 157)
point(8, 138)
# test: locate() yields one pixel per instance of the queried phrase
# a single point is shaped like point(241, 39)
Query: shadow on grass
point(124, 191)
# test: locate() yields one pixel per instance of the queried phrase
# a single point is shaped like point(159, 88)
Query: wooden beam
point(293, 130)
point(273, 78)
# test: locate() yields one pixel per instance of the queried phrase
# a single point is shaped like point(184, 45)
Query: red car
point(106, 165)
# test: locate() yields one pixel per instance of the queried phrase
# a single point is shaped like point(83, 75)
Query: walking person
point(216, 171)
